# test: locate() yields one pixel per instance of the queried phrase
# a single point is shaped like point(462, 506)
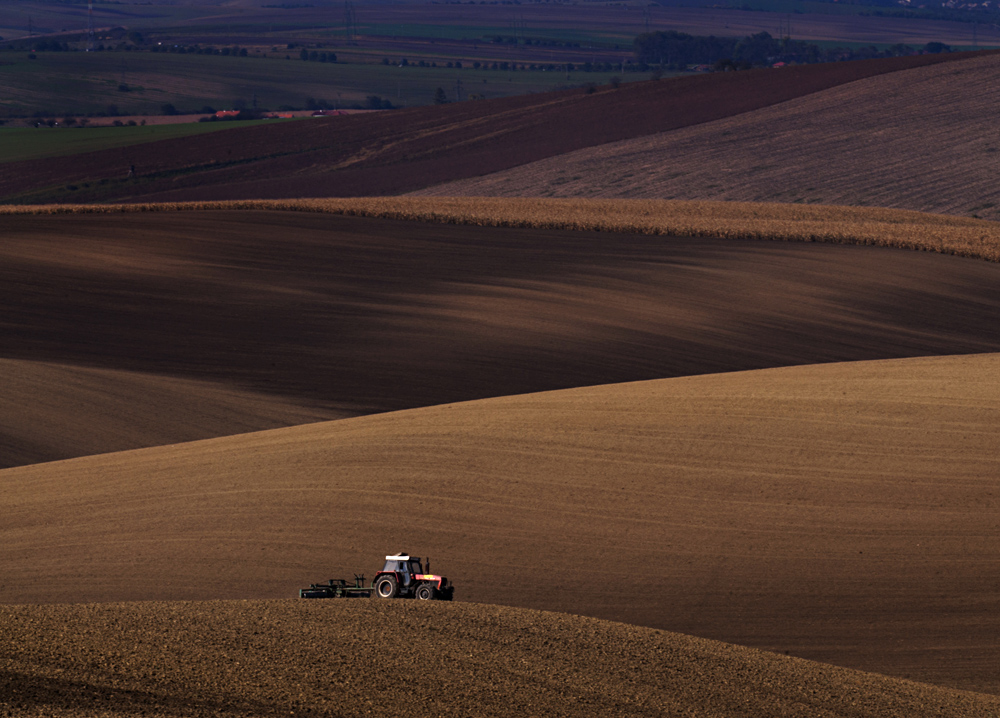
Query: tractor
point(402, 576)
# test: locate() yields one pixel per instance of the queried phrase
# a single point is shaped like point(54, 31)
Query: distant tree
point(900, 50)
point(374, 102)
point(440, 98)
point(168, 109)
point(304, 55)
point(935, 48)
point(757, 49)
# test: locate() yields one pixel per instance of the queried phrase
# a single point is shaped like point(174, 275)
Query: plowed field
point(400, 151)
point(255, 658)
point(920, 140)
point(845, 513)
point(144, 329)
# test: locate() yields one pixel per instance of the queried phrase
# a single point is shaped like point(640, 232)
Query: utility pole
point(90, 26)
point(350, 21)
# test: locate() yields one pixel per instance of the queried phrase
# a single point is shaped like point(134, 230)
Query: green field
point(28, 143)
point(60, 83)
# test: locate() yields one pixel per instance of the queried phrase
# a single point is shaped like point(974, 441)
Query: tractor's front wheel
point(386, 587)
point(425, 592)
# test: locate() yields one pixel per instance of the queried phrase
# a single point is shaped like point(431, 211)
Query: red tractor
point(403, 576)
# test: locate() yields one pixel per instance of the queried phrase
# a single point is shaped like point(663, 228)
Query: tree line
point(678, 50)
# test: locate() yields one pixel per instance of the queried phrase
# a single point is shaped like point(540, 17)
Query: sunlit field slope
point(146, 328)
point(844, 512)
point(252, 658)
point(921, 139)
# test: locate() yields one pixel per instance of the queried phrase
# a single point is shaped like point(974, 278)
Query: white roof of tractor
point(401, 557)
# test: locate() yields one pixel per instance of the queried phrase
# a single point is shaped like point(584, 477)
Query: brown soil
point(255, 658)
point(56, 411)
point(845, 513)
point(400, 151)
point(850, 145)
point(133, 330)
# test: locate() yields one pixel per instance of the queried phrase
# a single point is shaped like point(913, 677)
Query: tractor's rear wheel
point(386, 587)
point(425, 592)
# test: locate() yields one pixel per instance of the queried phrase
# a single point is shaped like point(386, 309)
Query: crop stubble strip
point(900, 229)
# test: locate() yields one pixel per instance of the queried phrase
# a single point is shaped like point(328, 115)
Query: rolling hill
point(254, 658)
point(400, 151)
point(55, 411)
point(845, 513)
point(122, 331)
point(921, 139)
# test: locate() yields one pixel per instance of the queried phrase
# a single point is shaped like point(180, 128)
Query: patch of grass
point(901, 229)
point(29, 143)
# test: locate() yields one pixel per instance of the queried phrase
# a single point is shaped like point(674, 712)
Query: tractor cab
point(405, 566)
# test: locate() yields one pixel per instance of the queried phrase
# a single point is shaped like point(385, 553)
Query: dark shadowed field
point(211, 323)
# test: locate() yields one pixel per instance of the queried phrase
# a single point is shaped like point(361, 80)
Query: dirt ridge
point(260, 658)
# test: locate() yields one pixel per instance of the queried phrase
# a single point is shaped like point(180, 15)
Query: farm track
point(406, 150)
point(922, 140)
